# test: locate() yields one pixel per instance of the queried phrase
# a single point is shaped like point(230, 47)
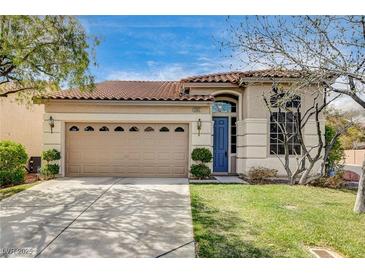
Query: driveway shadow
point(123, 220)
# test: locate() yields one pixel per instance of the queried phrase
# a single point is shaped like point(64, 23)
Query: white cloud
point(153, 72)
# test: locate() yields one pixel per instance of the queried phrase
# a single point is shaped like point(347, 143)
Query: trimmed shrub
point(51, 155)
point(49, 170)
point(201, 154)
point(200, 171)
point(261, 173)
point(13, 158)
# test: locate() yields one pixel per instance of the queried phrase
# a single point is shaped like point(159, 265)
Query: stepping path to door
point(99, 217)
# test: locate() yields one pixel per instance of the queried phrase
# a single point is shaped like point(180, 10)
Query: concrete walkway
point(99, 217)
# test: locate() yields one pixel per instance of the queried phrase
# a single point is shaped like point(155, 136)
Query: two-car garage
point(128, 150)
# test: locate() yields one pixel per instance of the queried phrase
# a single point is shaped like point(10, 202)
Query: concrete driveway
point(99, 217)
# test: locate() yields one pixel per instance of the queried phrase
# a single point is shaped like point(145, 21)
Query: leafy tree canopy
point(336, 155)
point(353, 135)
point(39, 53)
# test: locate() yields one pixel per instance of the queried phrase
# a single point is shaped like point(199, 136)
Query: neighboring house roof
point(165, 90)
point(234, 76)
point(131, 90)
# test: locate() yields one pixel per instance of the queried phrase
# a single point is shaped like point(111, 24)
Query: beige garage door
point(130, 150)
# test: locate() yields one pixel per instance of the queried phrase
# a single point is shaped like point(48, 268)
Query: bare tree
point(328, 50)
point(283, 101)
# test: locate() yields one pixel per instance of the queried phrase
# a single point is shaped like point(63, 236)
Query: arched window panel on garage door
point(89, 128)
point(134, 129)
point(104, 128)
point(179, 129)
point(149, 129)
point(119, 129)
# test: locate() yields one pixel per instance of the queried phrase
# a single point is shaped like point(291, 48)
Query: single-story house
point(149, 128)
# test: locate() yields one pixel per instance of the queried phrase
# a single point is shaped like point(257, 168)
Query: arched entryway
point(225, 111)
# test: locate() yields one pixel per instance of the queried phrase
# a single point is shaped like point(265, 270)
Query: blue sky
point(157, 47)
point(163, 47)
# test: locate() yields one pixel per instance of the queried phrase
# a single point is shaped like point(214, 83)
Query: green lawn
point(8, 191)
point(274, 221)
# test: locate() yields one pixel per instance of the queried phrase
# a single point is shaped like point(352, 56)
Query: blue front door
point(220, 144)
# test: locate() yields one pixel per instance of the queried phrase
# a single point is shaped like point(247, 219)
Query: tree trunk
point(360, 198)
point(304, 177)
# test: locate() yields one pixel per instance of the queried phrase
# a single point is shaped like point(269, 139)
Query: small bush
point(13, 157)
point(203, 155)
point(51, 155)
point(49, 170)
point(330, 182)
point(261, 173)
point(200, 171)
point(12, 177)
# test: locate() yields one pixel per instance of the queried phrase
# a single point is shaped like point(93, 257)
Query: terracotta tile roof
point(165, 90)
point(225, 77)
point(131, 90)
point(235, 76)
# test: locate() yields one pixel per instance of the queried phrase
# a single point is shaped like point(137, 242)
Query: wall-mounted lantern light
point(199, 126)
point(51, 123)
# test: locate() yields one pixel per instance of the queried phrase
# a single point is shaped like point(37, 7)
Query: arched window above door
point(224, 106)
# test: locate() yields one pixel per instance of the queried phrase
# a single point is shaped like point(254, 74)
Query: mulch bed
point(31, 178)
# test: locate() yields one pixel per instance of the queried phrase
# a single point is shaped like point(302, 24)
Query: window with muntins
point(233, 135)
point(164, 129)
point(74, 128)
point(285, 100)
point(280, 123)
point(224, 106)
point(179, 129)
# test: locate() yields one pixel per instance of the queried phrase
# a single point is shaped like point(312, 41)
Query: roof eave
point(125, 102)
point(270, 80)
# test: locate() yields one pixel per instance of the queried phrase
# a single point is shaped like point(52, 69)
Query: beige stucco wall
point(253, 126)
point(123, 113)
point(354, 157)
point(253, 131)
point(22, 123)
